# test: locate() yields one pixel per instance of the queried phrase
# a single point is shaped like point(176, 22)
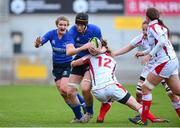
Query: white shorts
point(147, 68)
point(113, 92)
point(167, 68)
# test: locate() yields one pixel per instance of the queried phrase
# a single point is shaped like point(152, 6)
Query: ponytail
point(161, 23)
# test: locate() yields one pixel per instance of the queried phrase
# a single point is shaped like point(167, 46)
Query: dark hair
point(81, 18)
point(153, 14)
point(61, 18)
point(104, 44)
point(145, 22)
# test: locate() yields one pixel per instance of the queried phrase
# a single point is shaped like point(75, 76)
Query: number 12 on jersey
point(105, 62)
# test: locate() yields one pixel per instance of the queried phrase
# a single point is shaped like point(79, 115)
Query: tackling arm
point(80, 61)
point(123, 50)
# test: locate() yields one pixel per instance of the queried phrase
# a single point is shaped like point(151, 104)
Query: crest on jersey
point(53, 42)
point(78, 39)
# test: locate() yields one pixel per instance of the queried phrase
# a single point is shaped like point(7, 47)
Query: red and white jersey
point(140, 42)
point(102, 69)
point(155, 31)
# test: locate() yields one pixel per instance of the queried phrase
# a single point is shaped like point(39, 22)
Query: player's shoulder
point(93, 26)
point(140, 36)
point(52, 31)
point(153, 25)
point(73, 28)
point(137, 39)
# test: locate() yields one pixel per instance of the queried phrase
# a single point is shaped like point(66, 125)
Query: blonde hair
point(63, 18)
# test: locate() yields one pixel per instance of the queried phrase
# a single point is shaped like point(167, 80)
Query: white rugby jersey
point(139, 42)
point(102, 70)
point(155, 31)
point(142, 44)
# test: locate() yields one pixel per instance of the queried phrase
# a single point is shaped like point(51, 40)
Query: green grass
point(42, 106)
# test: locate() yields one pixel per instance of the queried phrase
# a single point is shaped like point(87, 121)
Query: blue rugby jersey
point(81, 39)
point(58, 46)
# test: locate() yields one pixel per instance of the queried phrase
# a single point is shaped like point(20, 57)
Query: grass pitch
point(42, 106)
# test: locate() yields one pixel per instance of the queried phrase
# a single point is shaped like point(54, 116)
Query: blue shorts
point(61, 70)
point(80, 70)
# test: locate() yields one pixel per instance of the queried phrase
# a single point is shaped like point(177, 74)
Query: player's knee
point(147, 87)
point(177, 92)
point(86, 85)
point(71, 91)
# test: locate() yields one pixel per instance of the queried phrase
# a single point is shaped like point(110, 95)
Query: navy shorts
point(80, 70)
point(61, 70)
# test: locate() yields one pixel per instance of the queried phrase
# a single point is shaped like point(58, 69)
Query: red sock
point(151, 117)
point(145, 110)
point(103, 110)
point(178, 111)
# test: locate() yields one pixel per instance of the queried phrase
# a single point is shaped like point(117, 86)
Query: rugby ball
point(96, 42)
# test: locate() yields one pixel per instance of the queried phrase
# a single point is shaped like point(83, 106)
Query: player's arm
point(123, 50)
point(143, 53)
point(80, 61)
point(159, 45)
point(42, 40)
point(38, 42)
point(71, 50)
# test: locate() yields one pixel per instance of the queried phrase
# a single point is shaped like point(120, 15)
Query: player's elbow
point(69, 53)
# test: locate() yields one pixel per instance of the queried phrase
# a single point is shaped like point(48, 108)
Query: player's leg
point(133, 104)
point(174, 84)
point(82, 101)
point(175, 100)
point(168, 70)
point(150, 82)
point(122, 96)
point(86, 91)
point(61, 74)
point(74, 81)
point(63, 88)
point(141, 80)
point(61, 85)
point(104, 96)
point(105, 107)
point(125, 98)
point(139, 90)
point(76, 77)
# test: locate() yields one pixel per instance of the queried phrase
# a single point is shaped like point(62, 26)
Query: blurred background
point(21, 21)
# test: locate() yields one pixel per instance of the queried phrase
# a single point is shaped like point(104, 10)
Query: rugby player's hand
point(87, 45)
point(72, 63)
point(95, 50)
point(37, 42)
point(139, 54)
point(146, 59)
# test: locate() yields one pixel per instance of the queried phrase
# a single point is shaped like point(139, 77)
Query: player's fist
point(37, 42)
point(139, 54)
